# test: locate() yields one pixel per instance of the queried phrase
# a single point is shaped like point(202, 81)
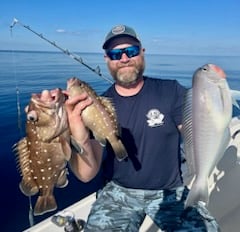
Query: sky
point(200, 27)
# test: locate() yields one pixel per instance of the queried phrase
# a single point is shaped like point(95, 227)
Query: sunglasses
point(116, 54)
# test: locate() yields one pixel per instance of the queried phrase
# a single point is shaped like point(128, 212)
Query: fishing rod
point(65, 51)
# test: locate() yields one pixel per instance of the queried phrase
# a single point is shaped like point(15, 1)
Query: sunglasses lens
point(132, 51)
point(116, 54)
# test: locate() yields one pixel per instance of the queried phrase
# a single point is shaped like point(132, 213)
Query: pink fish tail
point(119, 150)
point(45, 204)
point(198, 192)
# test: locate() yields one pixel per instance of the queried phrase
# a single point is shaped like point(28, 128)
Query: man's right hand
point(74, 107)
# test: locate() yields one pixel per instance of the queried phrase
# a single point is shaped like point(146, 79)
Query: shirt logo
point(155, 118)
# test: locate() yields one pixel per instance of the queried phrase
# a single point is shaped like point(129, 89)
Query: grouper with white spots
point(206, 134)
point(43, 153)
point(100, 117)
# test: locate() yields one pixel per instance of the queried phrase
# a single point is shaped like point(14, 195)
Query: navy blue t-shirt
point(149, 132)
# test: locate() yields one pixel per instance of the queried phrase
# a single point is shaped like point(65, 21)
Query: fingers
point(78, 103)
point(75, 99)
point(74, 107)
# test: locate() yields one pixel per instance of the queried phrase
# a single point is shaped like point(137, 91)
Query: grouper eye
point(32, 116)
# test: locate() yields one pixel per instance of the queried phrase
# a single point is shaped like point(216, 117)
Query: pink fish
point(207, 114)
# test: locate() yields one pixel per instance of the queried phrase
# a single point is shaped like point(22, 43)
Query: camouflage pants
point(123, 209)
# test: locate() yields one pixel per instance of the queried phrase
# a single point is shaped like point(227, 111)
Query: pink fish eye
point(32, 116)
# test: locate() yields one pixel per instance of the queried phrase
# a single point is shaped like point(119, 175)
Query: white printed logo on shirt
point(155, 118)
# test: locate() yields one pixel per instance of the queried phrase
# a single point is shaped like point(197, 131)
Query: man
point(149, 180)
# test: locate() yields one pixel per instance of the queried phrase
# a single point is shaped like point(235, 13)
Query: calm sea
point(34, 71)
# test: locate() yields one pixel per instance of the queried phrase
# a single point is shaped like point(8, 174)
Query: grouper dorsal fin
point(109, 106)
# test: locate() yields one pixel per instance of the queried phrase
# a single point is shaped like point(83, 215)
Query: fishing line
point(65, 51)
point(19, 116)
point(19, 120)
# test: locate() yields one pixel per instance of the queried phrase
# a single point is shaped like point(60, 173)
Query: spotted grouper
point(206, 118)
point(43, 154)
point(100, 117)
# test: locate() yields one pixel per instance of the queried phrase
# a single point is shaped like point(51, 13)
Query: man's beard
point(129, 76)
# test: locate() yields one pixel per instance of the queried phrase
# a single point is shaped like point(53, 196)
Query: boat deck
point(224, 188)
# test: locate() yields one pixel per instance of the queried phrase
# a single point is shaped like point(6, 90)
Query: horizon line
point(161, 54)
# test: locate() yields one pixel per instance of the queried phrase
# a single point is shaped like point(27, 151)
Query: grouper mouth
point(49, 99)
point(48, 107)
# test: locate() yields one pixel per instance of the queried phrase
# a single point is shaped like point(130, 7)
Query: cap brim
point(106, 43)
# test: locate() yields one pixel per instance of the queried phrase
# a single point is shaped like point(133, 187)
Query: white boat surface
point(224, 189)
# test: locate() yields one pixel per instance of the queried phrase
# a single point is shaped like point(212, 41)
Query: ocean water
point(28, 72)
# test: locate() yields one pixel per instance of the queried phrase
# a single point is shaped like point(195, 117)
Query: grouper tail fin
point(45, 204)
point(119, 149)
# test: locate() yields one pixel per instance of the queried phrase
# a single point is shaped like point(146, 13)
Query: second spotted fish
point(100, 117)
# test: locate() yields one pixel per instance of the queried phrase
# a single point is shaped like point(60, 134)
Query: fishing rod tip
point(14, 22)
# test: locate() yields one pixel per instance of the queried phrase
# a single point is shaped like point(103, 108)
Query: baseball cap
point(118, 31)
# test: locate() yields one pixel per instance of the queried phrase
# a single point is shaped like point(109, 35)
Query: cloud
point(74, 33)
point(61, 30)
point(80, 32)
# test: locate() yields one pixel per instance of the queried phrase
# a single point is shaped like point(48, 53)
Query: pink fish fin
point(67, 151)
point(187, 130)
point(62, 180)
point(198, 192)
point(44, 204)
point(28, 188)
point(119, 149)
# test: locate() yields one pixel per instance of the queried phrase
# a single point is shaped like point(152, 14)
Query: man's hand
point(74, 107)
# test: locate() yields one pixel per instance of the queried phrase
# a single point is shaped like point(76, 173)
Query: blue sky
point(210, 27)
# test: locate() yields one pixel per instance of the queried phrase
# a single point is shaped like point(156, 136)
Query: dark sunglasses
point(116, 54)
